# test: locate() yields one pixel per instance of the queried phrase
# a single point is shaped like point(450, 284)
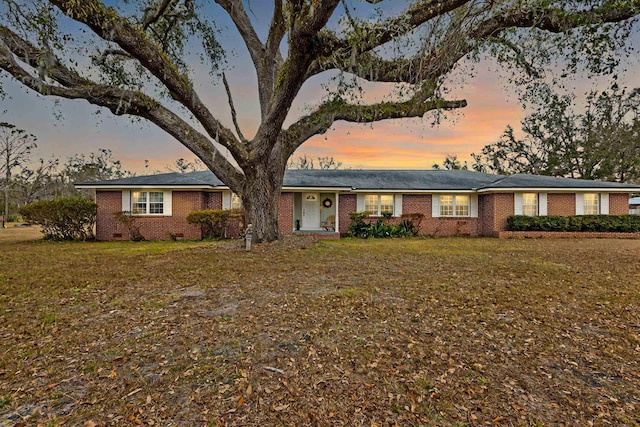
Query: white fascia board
point(558, 190)
point(142, 187)
point(317, 189)
point(401, 191)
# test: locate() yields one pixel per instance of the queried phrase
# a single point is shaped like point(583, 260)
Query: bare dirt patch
point(433, 332)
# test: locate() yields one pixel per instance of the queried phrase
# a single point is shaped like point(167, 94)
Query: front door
point(310, 211)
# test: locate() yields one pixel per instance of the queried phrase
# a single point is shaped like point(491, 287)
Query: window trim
point(128, 202)
point(379, 205)
point(454, 206)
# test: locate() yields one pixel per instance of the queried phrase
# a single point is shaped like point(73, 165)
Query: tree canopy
point(136, 58)
point(601, 143)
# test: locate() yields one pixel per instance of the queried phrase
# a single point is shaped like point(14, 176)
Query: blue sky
point(65, 127)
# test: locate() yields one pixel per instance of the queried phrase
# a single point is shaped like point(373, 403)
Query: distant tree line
point(601, 143)
point(24, 180)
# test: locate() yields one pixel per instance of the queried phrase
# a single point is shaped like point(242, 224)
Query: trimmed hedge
point(601, 223)
point(64, 218)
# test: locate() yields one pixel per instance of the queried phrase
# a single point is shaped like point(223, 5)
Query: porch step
point(318, 235)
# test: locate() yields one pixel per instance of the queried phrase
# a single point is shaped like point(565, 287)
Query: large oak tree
point(136, 54)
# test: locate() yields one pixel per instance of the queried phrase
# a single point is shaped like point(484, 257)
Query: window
point(377, 204)
point(454, 205)
point(147, 202)
point(530, 204)
point(236, 201)
point(591, 204)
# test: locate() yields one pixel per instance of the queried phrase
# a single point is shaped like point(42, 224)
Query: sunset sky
point(65, 128)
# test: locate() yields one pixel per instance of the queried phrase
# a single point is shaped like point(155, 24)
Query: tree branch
point(111, 27)
point(321, 120)
point(156, 14)
point(119, 101)
point(233, 109)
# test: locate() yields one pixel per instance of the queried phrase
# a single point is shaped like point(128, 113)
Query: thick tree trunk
point(260, 198)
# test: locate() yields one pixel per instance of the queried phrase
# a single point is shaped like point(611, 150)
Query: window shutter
point(226, 200)
point(473, 205)
point(579, 204)
point(542, 204)
point(397, 205)
point(604, 203)
point(517, 204)
point(167, 203)
point(126, 200)
point(360, 203)
point(435, 206)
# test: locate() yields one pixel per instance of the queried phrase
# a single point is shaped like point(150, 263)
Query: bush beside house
point(63, 218)
point(579, 223)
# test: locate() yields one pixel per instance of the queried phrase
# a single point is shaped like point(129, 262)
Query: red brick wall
point(285, 213)
point(213, 200)
point(502, 209)
point(618, 204)
point(109, 202)
point(347, 203)
point(151, 227)
point(486, 213)
point(561, 204)
point(417, 203)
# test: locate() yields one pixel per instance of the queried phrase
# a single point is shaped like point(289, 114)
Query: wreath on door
point(327, 203)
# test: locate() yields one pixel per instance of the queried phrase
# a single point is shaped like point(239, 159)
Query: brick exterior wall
point(561, 204)
point(285, 213)
point(151, 227)
point(493, 210)
point(109, 202)
point(346, 203)
point(618, 203)
point(213, 200)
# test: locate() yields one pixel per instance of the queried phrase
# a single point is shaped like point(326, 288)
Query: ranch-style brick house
point(452, 202)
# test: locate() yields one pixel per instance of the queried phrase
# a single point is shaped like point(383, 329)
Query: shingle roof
point(539, 181)
point(411, 180)
point(388, 179)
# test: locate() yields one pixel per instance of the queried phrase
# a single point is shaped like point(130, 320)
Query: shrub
point(125, 219)
point(408, 226)
point(64, 218)
point(13, 218)
point(602, 223)
point(216, 222)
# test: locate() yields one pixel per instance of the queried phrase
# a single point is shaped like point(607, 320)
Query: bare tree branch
point(119, 101)
point(233, 109)
point(156, 13)
point(324, 116)
point(109, 26)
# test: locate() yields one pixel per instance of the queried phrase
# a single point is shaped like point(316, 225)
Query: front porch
point(315, 213)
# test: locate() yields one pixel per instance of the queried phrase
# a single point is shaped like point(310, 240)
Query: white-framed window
point(457, 205)
point(591, 203)
point(147, 203)
point(530, 204)
point(236, 201)
point(377, 204)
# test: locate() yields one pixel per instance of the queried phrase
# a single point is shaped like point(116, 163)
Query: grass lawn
point(434, 332)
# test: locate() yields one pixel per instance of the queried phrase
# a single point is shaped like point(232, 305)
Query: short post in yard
point(248, 236)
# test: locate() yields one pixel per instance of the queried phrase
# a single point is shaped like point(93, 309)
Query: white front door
point(310, 211)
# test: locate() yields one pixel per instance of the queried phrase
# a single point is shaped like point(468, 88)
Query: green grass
point(426, 332)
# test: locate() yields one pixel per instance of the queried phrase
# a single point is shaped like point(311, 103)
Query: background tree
point(15, 149)
point(185, 166)
point(130, 54)
point(451, 162)
point(602, 143)
point(306, 163)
